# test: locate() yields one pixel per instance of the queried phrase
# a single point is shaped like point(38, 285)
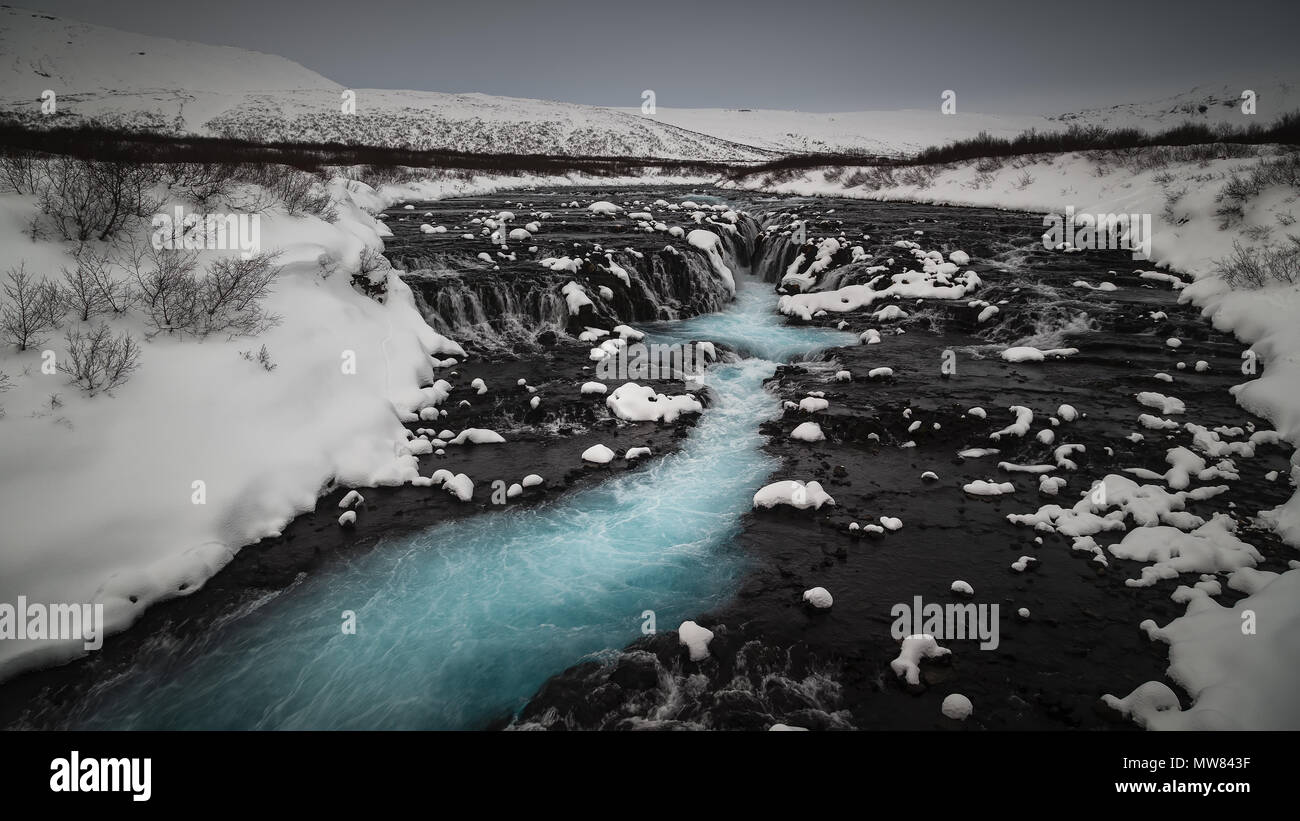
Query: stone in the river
point(957, 706)
point(637, 670)
point(818, 597)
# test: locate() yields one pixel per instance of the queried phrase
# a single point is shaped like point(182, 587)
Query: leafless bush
point(19, 172)
point(88, 288)
point(1258, 233)
point(921, 176)
point(92, 199)
point(1247, 268)
point(1239, 190)
point(165, 286)
point(372, 277)
point(1023, 181)
point(299, 192)
point(98, 360)
point(203, 183)
point(230, 296)
point(31, 311)
point(873, 177)
point(227, 299)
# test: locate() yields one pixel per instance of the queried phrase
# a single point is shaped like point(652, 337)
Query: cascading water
point(493, 310)
point(458, 625)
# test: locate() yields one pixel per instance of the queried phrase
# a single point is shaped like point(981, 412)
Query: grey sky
point(814, 55)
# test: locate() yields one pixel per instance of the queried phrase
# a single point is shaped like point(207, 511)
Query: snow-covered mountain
point(1210, 105)
point(888, 133)
point(907, 131)
point(156, 83)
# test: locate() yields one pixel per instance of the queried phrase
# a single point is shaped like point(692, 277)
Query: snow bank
point(1235, 663)
point(186, 503)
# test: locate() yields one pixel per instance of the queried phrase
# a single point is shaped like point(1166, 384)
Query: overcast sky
point(814, 55)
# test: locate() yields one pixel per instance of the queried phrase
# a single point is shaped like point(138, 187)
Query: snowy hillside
point(468, 122)
point(903, 132)
point(1210, 105)
point(157, 83)
point(887, 133)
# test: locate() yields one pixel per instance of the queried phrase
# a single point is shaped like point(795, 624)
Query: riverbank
point(1199, 211)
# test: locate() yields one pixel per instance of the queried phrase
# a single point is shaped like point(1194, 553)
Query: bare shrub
point(203, 183)
point(88, 289)
point(921, 176)
point(20, 172)
point(31, 311)
point(98, 360)
point(372, 277)
point(1247, 268)
point(165, 286)
point(227, 299)
point(1239, 190)
point(230, 296)
point(93, 199)
point(873, 177)
point(298, 192)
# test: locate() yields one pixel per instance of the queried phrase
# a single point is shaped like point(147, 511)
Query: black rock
point(637, 670)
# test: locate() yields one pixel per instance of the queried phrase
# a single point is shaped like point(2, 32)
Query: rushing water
point(459, 624)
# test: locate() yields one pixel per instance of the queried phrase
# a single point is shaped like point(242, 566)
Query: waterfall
point(500, 311)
